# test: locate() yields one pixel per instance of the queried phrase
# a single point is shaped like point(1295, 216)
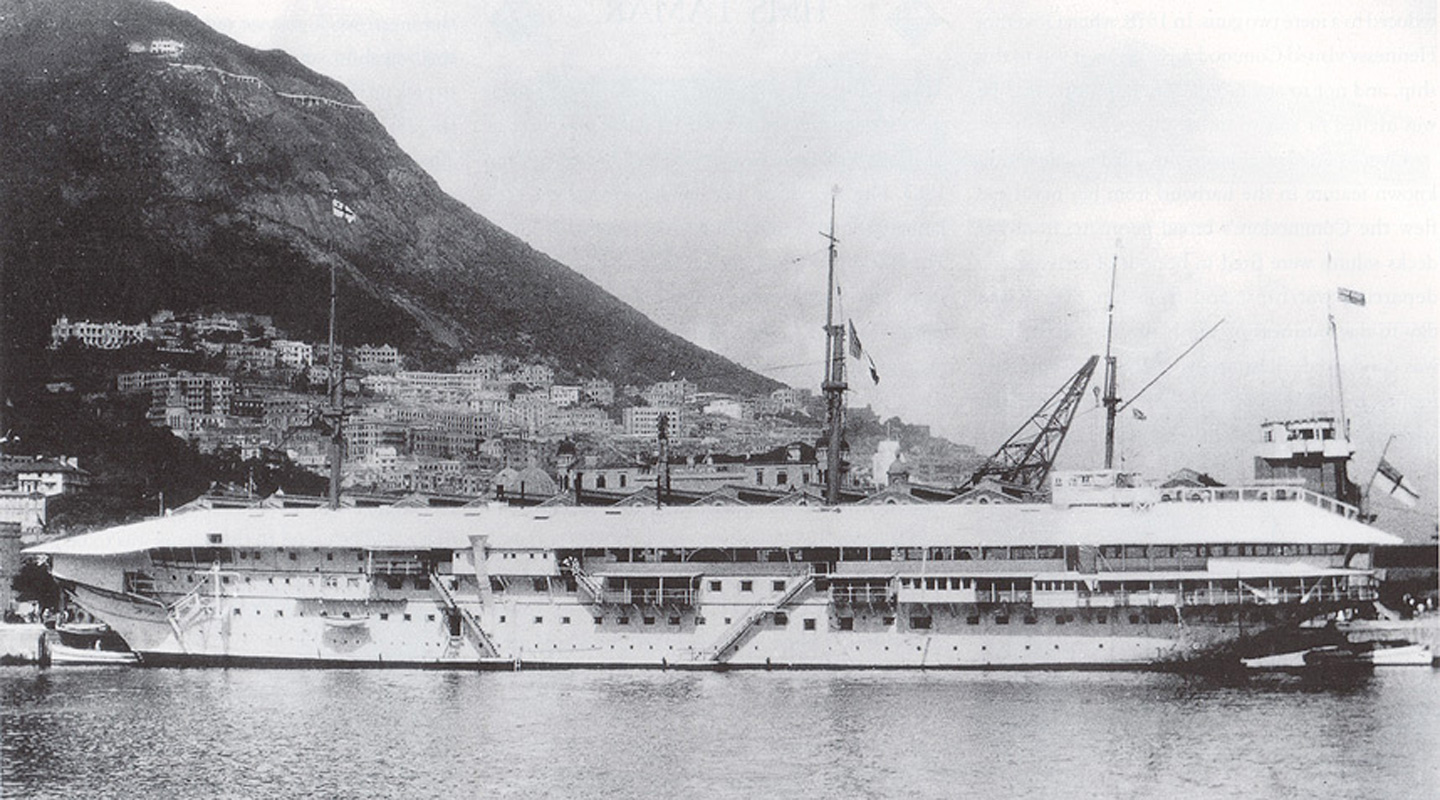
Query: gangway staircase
point(588, 583)
point(198, 602)
point(469, 624)
point(730, 642)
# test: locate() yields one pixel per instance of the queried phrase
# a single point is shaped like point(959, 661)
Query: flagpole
point(834, 385)
point(1376, 472)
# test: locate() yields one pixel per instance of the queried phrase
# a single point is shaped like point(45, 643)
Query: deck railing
point(861, 595)
point(648, 597)
point(1257, 494)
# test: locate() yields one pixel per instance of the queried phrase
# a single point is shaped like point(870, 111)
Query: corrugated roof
point(734, 526)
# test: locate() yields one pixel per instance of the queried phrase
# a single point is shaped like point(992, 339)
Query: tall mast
point(834, 385)
point(336, 414)
point(1111, 400)
point(1340, 383)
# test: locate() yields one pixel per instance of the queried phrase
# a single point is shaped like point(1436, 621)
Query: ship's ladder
point(591, 586)
point(735, 635)
point(469, 623)
point(195, 604)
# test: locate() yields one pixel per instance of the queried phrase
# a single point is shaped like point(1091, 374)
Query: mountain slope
point(140, 181)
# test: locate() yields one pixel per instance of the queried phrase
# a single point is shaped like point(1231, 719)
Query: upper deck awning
point(735, 527)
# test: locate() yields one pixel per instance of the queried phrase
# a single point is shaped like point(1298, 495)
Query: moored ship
point(1108, 574)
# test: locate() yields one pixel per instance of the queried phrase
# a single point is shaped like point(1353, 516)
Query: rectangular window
point(622, 621)
point(699, 620)
point(887, 620)
point(715, 586)
point(599, 621)
point(973, 619)
point(746, 586)
point(920, 623)
point(778, 586)
point(649, 620)
point(781, 619)
point(674, 620)
point(429, 617)
point(1001, 619)
point(1030, 619)
point(564, 620)
point(541, 584)
point(846, 623)
point(384, 616)
point(407, 618)
point(809, 624)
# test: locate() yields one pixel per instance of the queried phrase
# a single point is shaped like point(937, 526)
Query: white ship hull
point(562, 635)
point(962, 587)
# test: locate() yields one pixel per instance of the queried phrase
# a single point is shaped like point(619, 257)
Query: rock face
point(152, 163)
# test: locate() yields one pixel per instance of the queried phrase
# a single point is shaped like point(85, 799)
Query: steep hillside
point(137, 181)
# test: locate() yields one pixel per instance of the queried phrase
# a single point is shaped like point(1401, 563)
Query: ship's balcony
point(844, 595)
point(648, 597)
point(398, 568)
point(1003, 595)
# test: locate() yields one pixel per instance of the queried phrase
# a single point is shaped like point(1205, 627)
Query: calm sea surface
point(106, 732)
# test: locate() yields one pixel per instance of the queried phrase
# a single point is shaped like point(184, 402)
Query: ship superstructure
point(1111, 573)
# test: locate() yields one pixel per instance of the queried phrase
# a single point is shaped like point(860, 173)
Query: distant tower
point(1311, 450)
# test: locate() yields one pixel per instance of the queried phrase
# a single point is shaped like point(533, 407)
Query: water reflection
point(167, 733)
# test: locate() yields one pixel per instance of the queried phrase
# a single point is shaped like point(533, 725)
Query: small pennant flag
point(1350, 296)
point(341, 210)
point(874, 374)
point(1140, 415)
point(1394, 484)
point(856, 351)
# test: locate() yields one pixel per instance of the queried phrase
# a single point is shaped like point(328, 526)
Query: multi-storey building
point(536, 376)
point(195, 393)
point(563, 396)
point(598, 391)
point(568, 421)
point(138, 382)
point(293, 354)
point(377, 358)
point(487, 366)
point(449, 388)
point(101, 335)
point(644, 421)
point(670, 393)
point(244, 357)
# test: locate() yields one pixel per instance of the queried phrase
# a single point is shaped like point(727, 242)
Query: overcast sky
point(992, 159)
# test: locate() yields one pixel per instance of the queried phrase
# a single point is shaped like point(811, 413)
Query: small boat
point(1399, 654)
point(89, 643)
point(1315, 660)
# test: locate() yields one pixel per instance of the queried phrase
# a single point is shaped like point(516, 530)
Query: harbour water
point(107, 732)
